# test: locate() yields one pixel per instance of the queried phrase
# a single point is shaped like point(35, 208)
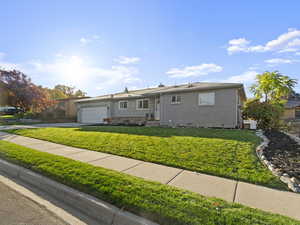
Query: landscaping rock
point(295, 180)
point(280, 152)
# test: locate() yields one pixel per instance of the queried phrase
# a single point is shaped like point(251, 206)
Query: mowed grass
point(160, 203)
point(220, 152)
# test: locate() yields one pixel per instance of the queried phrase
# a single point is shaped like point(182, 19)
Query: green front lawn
point(226, 153)
point(161, 203)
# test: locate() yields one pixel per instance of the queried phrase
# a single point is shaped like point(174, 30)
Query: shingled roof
point(165, 89)
point(292, 104)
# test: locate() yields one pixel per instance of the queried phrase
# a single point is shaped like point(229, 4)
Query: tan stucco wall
point(288, 114)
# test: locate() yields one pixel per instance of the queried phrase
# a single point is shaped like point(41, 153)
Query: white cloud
point(239, 41)
point(282, 43)
point(275, 61)
point(295, 42)
point(246, 77)
point(192, 71)
point(89, 39)
point(297, 53)
point(288, 50)
point(278, 61)
point(84, 41)
point(127, 60)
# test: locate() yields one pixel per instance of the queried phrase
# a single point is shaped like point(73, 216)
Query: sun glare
point(73, 69)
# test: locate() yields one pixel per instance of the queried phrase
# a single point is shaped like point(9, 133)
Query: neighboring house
point(64, 109)
point(292, 110)
point(292, 114)
point(68, 106)
point(196, 104)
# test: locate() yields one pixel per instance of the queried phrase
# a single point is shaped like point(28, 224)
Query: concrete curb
point(101, 211)
point(285, 178)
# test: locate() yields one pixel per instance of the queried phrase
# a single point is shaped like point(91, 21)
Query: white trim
point(143, 99)
point(176, 98)
point(120, 105)
point(157, 108)
point(204, 104)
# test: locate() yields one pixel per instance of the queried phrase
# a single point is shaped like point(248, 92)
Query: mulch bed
point(283, 153)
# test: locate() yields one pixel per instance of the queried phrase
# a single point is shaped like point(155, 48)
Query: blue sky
point(103, 46)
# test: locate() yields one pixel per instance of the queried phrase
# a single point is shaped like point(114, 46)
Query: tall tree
point(79, 93)
point(56, 93)
point(21, 92)
point(68, 91)
point(272, 86)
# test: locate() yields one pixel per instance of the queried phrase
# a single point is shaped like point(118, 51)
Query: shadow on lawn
point(227, 134)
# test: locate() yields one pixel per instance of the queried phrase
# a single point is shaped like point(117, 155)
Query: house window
point(142, 104)
point(123, 105)
point(207, 98)
point(176, 99)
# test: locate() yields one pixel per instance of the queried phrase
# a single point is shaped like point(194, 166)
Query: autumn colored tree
point(22, 93)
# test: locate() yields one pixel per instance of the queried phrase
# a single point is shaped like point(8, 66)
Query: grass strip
point(160, 203)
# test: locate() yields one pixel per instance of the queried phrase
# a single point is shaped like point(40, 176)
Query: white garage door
point(93, 114)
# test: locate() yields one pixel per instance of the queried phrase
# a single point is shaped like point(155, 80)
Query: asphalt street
point(15, 209)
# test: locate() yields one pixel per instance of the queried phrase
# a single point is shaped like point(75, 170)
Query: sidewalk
point(282, 202)
point(40, 125)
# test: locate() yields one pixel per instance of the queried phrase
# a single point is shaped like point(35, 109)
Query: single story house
point(197, 104)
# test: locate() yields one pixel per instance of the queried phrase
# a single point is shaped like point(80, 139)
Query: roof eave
point(198, 89)
point(106, 99)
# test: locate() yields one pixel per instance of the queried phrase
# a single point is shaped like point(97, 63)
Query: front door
point(157, 108)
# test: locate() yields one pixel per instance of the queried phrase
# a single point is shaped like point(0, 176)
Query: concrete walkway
point(282, 202)
point(40, 125)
